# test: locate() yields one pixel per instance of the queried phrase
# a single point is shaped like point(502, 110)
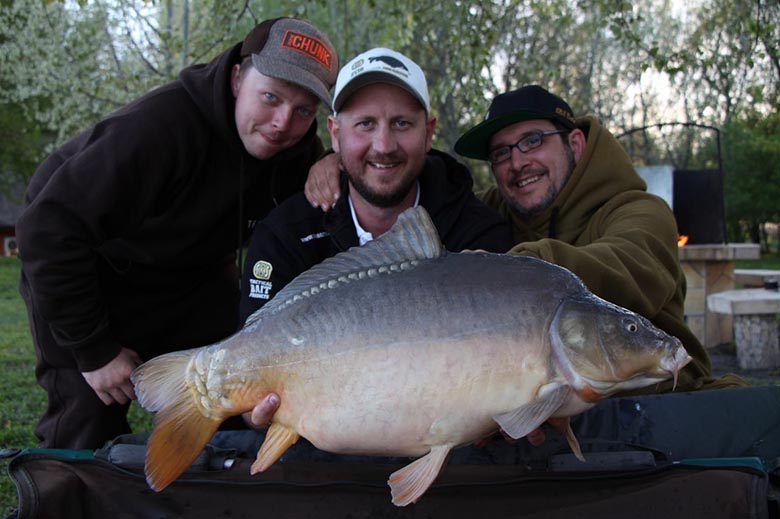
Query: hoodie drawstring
point(240, 249)
point(552, 232)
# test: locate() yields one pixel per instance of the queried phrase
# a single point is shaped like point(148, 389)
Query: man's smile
point(383, 165)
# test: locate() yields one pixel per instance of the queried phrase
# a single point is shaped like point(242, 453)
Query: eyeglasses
point(527, 143)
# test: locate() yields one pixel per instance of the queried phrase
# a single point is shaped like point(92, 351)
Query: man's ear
point(577, 142)
point(235, 79)
point(333, 128)
point(430, 128)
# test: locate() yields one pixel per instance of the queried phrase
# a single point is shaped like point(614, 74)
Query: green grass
point(767, 261)
point(22, 401)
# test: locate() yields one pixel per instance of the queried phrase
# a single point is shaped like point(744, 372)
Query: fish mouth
point(676, 363)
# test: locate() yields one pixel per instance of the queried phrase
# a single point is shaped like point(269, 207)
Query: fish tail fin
point(181, 430)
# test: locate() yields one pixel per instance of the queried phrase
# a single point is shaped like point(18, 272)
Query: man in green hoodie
point(574, 199)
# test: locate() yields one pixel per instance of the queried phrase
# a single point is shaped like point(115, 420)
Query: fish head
point(602, 348)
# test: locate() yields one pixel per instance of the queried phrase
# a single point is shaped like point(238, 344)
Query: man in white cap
point(129, 234)
point(382, 130)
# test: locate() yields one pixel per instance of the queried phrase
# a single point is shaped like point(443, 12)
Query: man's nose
point(282, 118)
point(518, 158)
point(385, 140)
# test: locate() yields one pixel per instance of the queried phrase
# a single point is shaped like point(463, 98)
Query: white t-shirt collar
point(363, 235)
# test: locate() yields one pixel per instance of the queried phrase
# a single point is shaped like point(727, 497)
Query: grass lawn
point(21, 397)
point(771, 262)
point(21, 400)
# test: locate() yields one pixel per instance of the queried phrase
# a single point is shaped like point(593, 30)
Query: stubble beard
point(549, 197)
point(383, 200)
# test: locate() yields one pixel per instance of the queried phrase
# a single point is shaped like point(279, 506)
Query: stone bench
point(755, 277)
point(756, 329)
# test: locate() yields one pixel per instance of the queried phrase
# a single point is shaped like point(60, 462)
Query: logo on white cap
point(381, 65)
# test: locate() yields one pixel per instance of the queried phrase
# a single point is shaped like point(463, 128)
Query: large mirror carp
point(400, 348)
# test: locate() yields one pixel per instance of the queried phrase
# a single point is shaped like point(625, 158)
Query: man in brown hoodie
point(574, 199)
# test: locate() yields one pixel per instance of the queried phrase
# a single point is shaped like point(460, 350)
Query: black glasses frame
point(529, 141)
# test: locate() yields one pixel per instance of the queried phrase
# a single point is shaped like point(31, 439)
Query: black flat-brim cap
point(524, 104)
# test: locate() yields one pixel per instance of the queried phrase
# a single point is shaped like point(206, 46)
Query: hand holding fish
point(111, 382)
point(263, 412)
point(537, 436)
point(322, 186)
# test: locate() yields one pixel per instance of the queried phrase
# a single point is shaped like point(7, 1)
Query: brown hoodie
point(619, 239)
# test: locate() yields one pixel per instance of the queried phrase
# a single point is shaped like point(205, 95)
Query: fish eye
point(632, 327)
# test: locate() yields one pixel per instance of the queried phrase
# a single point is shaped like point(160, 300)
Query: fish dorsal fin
point(412, 238)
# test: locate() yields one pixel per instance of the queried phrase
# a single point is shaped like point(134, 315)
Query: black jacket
point(129, 232)
point(295, 236)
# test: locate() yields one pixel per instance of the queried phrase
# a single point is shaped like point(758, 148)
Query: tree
point(751, 151)
point(67, 63)
point(70, 63)
point(21, 150)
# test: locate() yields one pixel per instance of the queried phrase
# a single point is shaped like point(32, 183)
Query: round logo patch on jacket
point(262, 270)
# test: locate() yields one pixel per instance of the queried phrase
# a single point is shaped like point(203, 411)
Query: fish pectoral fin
point(521, 421)
point(409, 483)
point(278, 439)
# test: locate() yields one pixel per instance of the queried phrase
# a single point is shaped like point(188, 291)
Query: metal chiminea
point(695, 195)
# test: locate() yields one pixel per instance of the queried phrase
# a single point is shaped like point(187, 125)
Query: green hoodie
point(618, 238)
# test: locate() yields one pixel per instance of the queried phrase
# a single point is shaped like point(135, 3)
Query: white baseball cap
point(380, 65)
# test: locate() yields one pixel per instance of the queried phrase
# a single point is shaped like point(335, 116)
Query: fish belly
point(406, 398)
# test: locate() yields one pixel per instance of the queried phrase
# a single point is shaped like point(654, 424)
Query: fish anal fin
point(278, 439)
point(180, 433)
point(521, 421)
point(409, 483)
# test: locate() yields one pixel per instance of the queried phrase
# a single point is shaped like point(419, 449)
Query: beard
point(383, 200)
point(550, 196)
